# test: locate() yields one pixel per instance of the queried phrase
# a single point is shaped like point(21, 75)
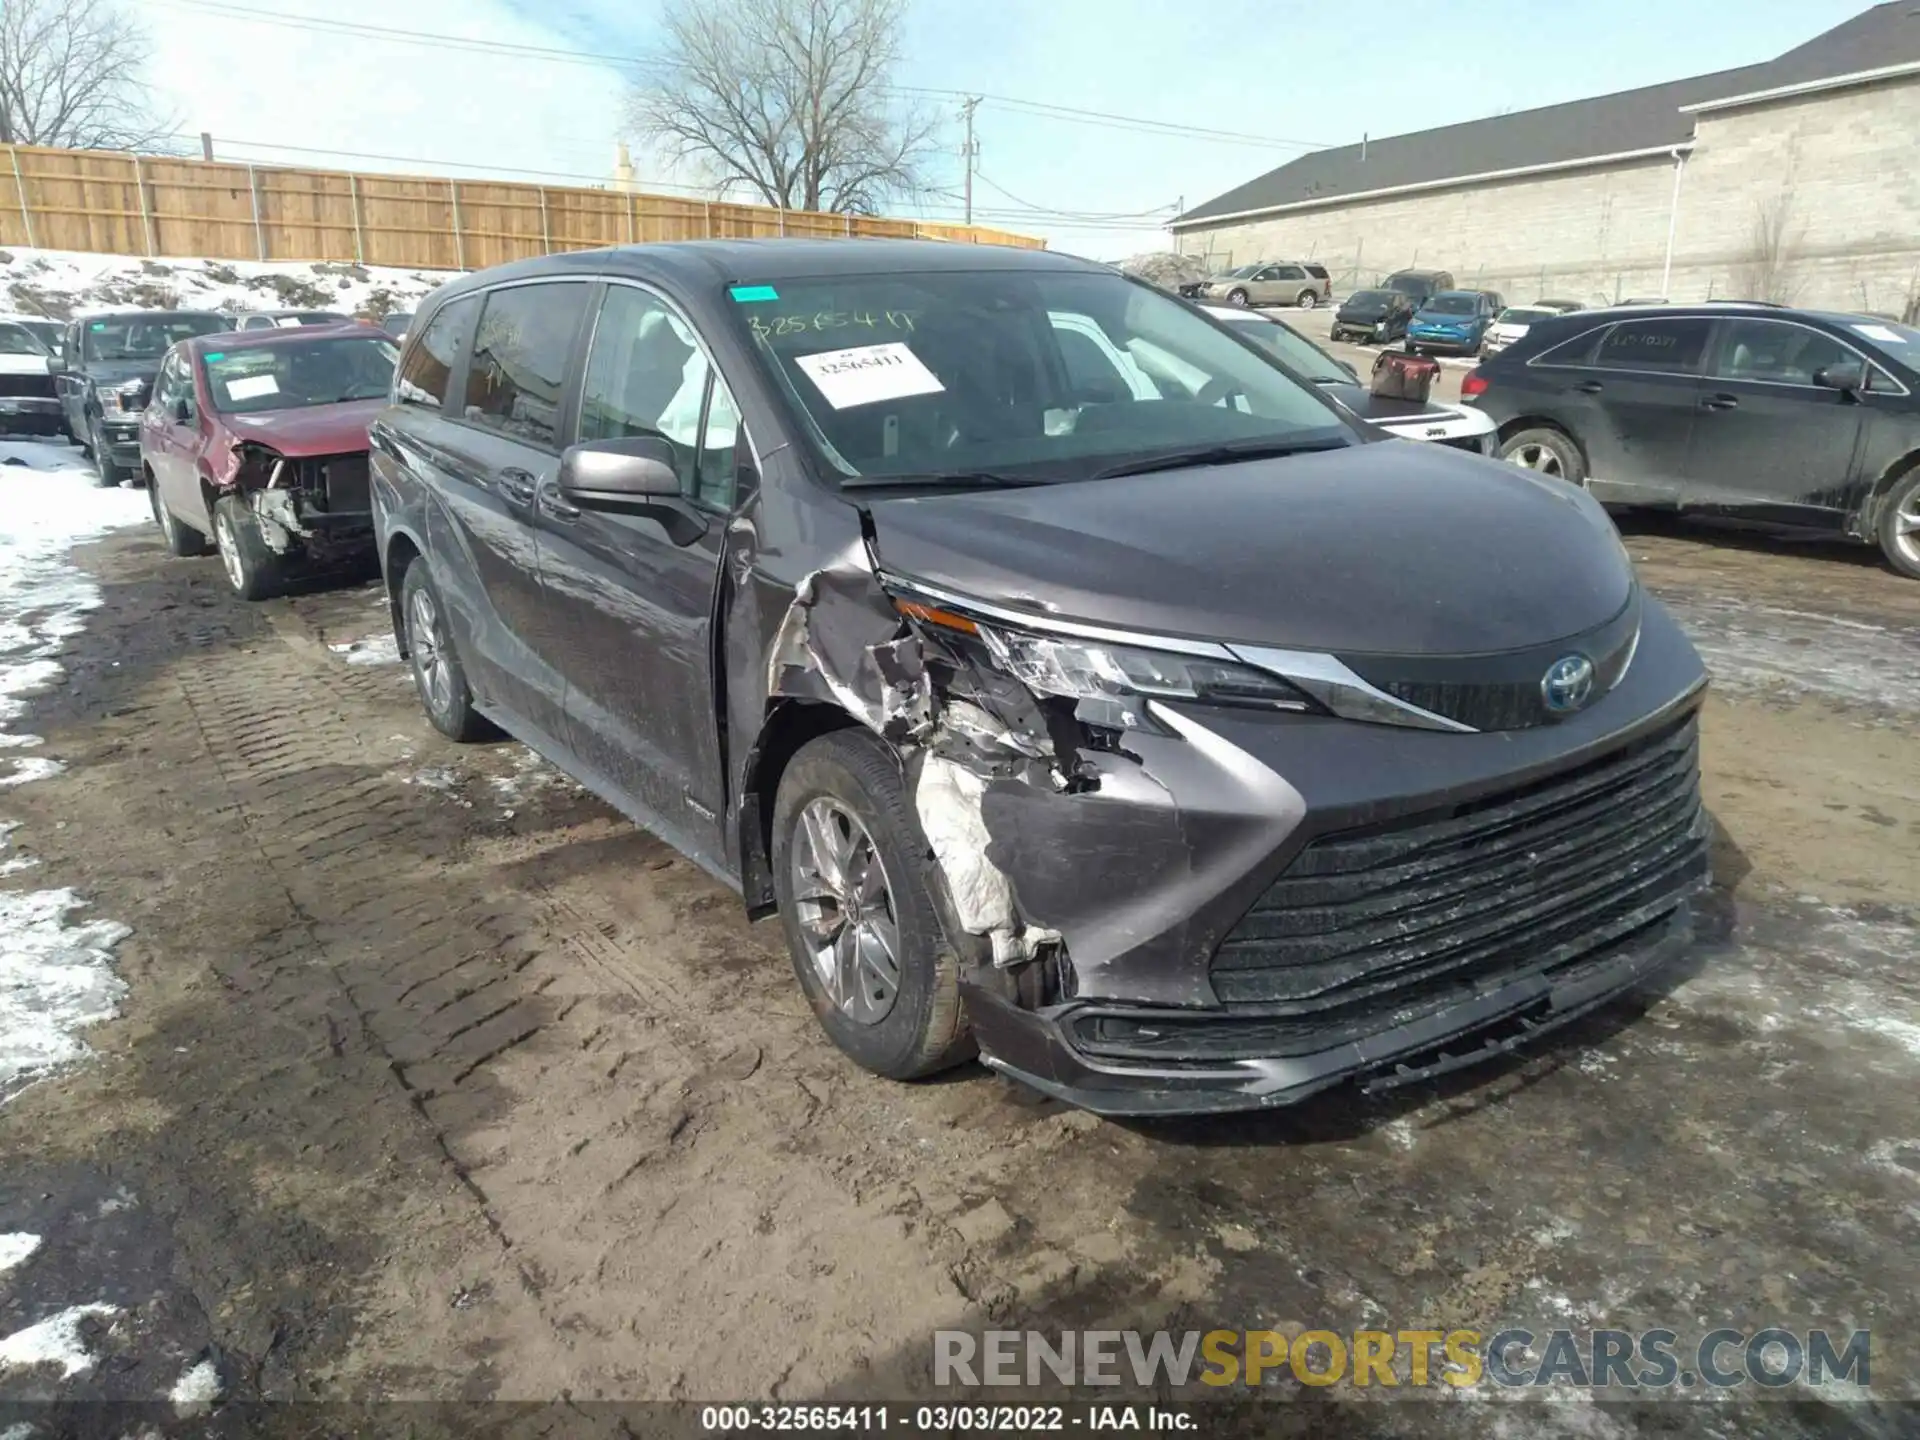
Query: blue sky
point(1304, 73)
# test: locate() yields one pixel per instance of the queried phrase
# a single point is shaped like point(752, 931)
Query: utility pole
point(970, 149)
point(206, 145)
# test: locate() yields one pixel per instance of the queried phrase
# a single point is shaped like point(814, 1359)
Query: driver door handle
point(515, 484)
point(1589, 387)
point(551, 501)
point(1720, 402)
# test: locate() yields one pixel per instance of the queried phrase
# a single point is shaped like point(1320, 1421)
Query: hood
point(1384, 548)
point(313, 430)
point(1364, 309)
point(1446, 322)
point(108, 373)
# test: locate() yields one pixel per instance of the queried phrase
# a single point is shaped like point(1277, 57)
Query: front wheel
point(105, 471)
point(1547, 452)
point(1237, 297)
point(253, 570)
point(865, 940)
point(1899, 529)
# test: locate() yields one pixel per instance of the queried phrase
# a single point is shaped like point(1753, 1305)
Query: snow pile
point(54, 978)
point(15, 1247)
point(63, 283)
point(54, 1341)
point(1166, 269)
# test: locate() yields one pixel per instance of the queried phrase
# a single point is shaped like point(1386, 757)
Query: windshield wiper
point(980, 479)
point(1219, 455)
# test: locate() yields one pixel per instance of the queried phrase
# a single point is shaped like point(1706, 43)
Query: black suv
point(1797, 418)
point(1002, 624)
point(105, 369)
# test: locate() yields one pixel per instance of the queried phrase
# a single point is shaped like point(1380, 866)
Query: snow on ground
point(61, 283)
point(199, 1386)
point(374, 650)
point(54, 1341)
point(1753, 649)
point(55, 977)
point(15, 1247)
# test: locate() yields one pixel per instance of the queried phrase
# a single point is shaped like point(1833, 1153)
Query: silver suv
point(1272, 282)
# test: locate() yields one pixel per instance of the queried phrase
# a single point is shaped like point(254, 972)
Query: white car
point(1459, 426)
point(29, 403)
point(1511, 324)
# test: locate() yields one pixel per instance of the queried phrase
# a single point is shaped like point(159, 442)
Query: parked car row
point(1800, 418)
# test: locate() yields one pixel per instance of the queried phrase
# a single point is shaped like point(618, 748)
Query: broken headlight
point(119, 399)
point(1099, 670)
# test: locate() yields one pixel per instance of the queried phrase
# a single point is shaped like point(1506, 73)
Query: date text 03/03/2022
point(947, 1419)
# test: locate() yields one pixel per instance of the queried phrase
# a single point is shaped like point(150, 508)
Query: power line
point(1161, 211)
point(1035, 108)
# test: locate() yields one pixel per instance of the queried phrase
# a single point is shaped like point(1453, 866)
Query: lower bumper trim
point(1032, 1047)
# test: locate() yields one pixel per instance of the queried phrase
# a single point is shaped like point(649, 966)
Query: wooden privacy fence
point(161, 206)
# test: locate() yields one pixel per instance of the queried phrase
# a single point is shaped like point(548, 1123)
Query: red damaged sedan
point(259, 443)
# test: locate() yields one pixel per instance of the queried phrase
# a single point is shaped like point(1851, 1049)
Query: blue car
point(1453, 322)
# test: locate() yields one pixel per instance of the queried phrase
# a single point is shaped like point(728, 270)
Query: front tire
point(1547, 452)
point(1237, 297)
point(438, 675)
point(254, 571)
point(849, 871)
point(106, 473)
point(1899, 528)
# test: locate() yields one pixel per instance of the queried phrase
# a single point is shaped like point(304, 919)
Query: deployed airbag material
point(948, 799)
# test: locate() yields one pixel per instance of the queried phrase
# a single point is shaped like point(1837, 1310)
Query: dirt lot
point(436, 1079)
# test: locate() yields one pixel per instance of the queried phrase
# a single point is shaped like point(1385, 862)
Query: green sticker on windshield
point(98, 325)
point(748, 294)
point(216, 355)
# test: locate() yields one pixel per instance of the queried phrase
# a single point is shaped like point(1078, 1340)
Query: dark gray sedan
point(1081, 688)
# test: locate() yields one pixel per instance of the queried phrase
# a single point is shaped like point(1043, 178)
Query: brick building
point(1795, 180)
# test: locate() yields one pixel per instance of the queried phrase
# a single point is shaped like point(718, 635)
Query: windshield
point(294, 376)
point(19, 340)
point(1450, 305)
point(1025, 373)
point(1522, 315)
point(1292, 349)
point(1900, 341)
point(145, 337)
point(1370, 299)
point(1244, 272)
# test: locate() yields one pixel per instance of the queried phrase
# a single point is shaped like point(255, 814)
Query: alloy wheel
point(229, 547)
point(431, 666)
point(1906, 527)
point(1537, 457)
point(846, 911)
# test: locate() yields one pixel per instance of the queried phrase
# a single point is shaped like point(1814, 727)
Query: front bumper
point(1366, 329)
point(123, 440)
point(1452, 344)
point(35, 414)
point(1190, 988)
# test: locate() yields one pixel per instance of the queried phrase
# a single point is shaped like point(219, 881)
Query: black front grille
point(344, 484)
point(25, 386)
point(1365, 923)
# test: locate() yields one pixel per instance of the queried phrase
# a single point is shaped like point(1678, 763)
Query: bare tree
point(71, 74)
point(787, 100)
point(1769, 267)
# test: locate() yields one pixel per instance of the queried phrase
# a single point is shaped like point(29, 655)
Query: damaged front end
point(1186, 876)
point(312, 507)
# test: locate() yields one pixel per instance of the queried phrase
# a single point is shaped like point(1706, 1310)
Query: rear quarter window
point(429, 362)
point(1665, 346)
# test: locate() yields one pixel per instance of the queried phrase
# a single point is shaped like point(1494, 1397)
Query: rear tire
point(438, 675)
point(1307, 300)
point(254, 571)
point(182, 539)
point(845, 788)
point(1547, 452)
point(1899, 528)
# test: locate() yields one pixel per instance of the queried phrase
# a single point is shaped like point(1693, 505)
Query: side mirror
point(1848, 377)
point(634, 475)
point(54, 365)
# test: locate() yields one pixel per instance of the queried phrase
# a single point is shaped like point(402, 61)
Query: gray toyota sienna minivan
point(1079, 686)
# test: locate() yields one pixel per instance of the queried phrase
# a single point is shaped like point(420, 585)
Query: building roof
point(1647, 121)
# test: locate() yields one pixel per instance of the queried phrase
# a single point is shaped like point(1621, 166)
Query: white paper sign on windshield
point(868, 373)
point(251, 387)
point(1880, 333)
